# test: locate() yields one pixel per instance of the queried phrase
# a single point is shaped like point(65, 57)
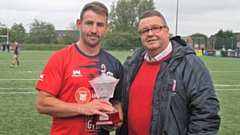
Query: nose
point(94, 28)
point(150, 33)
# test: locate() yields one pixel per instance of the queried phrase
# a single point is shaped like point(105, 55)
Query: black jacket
point(192, 109)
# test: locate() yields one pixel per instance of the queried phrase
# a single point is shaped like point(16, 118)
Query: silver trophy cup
point(104, 86)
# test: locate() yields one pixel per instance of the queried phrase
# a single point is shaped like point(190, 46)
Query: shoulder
point(137, 56)
point(64, 52)
point(110, 57)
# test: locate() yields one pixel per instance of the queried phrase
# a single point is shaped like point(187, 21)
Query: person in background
point(223, 51)
point(64, 89)
point(3, 46)
point(16, 54)
point(167, 89)
point(7, 46)
point(202, 48)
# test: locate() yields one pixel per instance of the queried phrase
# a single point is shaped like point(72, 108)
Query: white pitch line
point(26, 60)
point(19, 71)
point(225, 71)
point(17, 79)
point(224, 85)
point(16, 88)
point(225, 89)
point(9, 93)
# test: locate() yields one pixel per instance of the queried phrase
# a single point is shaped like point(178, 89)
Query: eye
point(88, 22)
point(155, 28)
point(100, 24)
point(144, 31)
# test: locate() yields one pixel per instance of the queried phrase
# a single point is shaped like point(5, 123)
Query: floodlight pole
point(232, 43)
point(7, 22)
point(7, 34)
point(176, 20)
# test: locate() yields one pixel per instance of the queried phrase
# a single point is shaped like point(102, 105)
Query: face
point(92, 27)
point(154, 41)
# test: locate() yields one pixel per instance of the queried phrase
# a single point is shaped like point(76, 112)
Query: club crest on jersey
point(41, 77)
point(83, 95)
point(76, 73)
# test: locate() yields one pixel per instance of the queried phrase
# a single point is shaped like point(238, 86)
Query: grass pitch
point(18, 115)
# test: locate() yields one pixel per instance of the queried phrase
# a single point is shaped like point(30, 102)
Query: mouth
point(151, 40)
point(93, 36)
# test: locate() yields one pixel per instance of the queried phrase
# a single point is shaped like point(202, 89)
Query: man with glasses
point(167, 90)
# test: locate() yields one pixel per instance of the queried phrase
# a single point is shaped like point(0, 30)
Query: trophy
point(104, 86)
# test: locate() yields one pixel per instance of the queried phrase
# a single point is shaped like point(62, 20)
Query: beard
point(88, 41)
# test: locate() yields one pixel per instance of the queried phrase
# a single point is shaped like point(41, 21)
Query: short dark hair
point(96, 7)
point(153, 13)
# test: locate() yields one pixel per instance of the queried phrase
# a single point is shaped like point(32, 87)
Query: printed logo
point(41, 77)
point(83, 95)
point(90, 126)
point(76, 73)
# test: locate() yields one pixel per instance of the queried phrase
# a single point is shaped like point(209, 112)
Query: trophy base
point(112, 118)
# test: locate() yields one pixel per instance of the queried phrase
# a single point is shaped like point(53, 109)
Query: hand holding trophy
point(104, 86)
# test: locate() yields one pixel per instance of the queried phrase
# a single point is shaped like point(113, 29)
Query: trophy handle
point(103, 70)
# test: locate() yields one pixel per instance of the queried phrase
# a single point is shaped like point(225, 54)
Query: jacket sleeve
point(202, 101)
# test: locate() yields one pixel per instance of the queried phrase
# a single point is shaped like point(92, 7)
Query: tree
point(125, 13)
point(200, 35)
point(42, 32)
point(71, 35)
point(3, 33)
point(121, 40)
point(123, 20)
point(17, 33)
point(225, 38)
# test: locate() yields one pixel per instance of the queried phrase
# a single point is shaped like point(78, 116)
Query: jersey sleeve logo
point(41, 77)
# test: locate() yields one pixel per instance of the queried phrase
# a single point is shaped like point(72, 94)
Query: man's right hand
point(96, 107)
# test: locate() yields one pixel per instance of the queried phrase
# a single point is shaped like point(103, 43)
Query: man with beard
point(64, 89)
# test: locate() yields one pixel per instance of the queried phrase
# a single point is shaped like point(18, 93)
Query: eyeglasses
point(154, 29)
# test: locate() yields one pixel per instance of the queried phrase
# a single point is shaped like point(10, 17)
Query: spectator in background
point(202, 48)
point(223, 51)
point(3, 46)
point(16, 54)
point(8, 46)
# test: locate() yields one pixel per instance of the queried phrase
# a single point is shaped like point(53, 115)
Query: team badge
point(41, 77)
point(83, 95)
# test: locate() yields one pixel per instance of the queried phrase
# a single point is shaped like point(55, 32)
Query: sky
point(194, 16)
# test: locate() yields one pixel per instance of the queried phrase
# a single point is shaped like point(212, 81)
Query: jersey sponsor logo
point(41, 77)
point(76, 73)
point(90, 126)
point(83, 95)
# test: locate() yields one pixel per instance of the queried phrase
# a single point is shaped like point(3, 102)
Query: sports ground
point(18, 115)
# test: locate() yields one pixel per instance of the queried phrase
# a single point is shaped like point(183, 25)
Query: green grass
point(18, 115)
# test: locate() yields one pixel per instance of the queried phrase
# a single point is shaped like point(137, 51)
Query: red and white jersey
point(67, 75)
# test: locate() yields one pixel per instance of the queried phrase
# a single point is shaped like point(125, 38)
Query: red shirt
point(140, 98)
point(67, 76)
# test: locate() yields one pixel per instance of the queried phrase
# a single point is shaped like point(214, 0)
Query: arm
point(49, 104)
point(203, 103)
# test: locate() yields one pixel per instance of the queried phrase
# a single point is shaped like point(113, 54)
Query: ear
point(167, 29)
point(107, 25)
point(78, 23)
